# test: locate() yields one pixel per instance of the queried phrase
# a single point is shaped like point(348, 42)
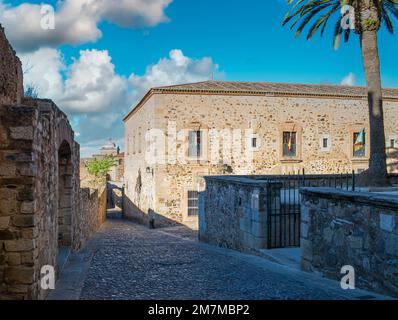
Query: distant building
point(270, 128)
point(108, 149)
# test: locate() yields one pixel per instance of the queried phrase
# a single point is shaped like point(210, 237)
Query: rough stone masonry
point(42, 208)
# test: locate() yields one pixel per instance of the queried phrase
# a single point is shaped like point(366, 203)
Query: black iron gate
point(283, 204)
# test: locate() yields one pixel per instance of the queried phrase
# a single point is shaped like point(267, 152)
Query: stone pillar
point(18, 208)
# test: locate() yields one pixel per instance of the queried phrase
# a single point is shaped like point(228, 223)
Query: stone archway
point(65, 195)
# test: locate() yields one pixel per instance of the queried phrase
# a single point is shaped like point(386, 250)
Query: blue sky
point(245, 41)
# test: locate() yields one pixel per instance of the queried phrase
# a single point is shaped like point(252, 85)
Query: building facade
point(108, 149)
point(178, 134)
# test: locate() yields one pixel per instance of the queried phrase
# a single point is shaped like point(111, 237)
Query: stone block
point(4, 222)
point(391, 245)
point(19, 275)
point(245, 225)
point(8, 207)
point(7, 169)
point(24, 220)
point(13, 259)
point(19, 245)
point(304, 230)
point(258, 229)
point(387, 222)
point(28, 170)
point(305, 265)
point(259, 216)
point(258, 243)
point(356, 242)
point(327, 234)
point(29, 233)
point(29, 207)
point(28, 257)
point(305, 214)
point(22, 133)
point(8, 235)
point(8, 194)
point(19, 288)
point(306, 249)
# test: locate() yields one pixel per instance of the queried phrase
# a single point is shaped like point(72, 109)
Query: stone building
point(108, 149)
point(43, 211)
point(178, 134)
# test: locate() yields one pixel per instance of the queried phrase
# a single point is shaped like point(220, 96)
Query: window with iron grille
point(289, 144)
point(193, 203)
point(195, 144)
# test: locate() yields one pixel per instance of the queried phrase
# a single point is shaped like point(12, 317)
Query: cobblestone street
point(128, 261)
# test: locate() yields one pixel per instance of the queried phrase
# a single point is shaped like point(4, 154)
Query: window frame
point(285, 144)
point(322, 139)
point(362, 162)
point(199, 146)
point(355, 135)
point(195, 208)
point(257, 138)
point(290, 127)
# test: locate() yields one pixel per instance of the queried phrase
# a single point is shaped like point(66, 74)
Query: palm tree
point(366, 19)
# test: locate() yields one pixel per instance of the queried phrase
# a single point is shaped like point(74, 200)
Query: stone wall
point(233, 212)
point(11, 87)
point(140, 187)
point(42, 209)
point(359, 229)
point(164, 186)
point(93, 215)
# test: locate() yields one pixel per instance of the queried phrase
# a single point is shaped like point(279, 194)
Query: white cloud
point(43, 70)
point(88, 85)
point(97, 98)
point(92, 85)
point(175, 69)
point(76, 21)
point(348, 80)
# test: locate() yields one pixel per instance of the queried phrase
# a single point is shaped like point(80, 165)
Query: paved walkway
point(128, 261)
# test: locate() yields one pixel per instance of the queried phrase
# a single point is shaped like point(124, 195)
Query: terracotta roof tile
point(271, 87)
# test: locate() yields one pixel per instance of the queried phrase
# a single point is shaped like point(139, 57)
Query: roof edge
point(179, 90)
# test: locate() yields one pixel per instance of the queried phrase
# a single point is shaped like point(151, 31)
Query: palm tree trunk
point(377, 173)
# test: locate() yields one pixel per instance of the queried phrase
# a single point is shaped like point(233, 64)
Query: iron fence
point(283, 204)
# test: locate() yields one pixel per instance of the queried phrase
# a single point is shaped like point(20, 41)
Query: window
point(195, 144)
point(128, 144)
point(289, 144)
point(325, 143)
point(139, 141)
point(193, 203)
point(392, 143)
point(359, 144)
point(254, 142)
point(134, 142)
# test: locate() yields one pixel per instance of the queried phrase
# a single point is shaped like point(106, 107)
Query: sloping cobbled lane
point(129, 261)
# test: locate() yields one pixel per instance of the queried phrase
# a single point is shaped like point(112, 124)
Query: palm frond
point(302, 12)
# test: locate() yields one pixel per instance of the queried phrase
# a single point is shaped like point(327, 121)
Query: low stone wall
point(93, 214)
point(359, 229)
point(233, 212)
